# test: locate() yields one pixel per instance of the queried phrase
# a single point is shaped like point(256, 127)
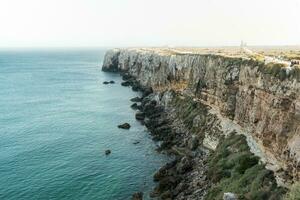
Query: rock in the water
point(111, 82)
point(105, 82)
point(134, 106)
point(125, 83)
point(124, 126)
point(136, 99)
point(137, 196)
point(107, 152)
point(229, 196)
point(140, 116)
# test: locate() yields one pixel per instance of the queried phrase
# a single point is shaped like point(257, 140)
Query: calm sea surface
point(56, 121)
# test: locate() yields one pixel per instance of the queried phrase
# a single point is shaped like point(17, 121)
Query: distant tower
point(243, 46)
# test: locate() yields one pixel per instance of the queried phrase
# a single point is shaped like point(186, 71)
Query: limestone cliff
point(259, 101)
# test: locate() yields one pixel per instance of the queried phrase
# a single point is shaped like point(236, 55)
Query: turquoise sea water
point(56, 121)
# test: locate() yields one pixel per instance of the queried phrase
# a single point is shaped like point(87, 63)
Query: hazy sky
point(42, 23)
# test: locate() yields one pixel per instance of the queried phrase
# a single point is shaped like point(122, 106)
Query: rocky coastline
point(212, 158)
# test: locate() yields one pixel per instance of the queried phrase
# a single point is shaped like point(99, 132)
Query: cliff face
point(261, 102)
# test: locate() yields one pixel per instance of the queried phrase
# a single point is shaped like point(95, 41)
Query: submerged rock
point(136, 142)
point(124, 126)
point(108, 82)
point(137, 196)
point(107, 152)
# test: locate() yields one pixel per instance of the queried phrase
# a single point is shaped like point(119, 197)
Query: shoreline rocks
point(176, 179)
point(125, 83)
point(140, 116)
point(135, 106)
point(136, 99)
point(187, 176)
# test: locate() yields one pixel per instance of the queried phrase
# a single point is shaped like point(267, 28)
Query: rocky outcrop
point(240, 95)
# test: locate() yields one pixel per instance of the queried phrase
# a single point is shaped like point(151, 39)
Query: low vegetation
point(294, 193)
point(275, 69)
point(233, 168)
point(188, 110)
point(279, 71)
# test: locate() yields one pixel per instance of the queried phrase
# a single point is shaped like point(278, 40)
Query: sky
point(123, 23)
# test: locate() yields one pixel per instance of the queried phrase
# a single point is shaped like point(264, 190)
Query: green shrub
point(274, 69)
point(294, 193)
point(233, 168)
point(246, 162)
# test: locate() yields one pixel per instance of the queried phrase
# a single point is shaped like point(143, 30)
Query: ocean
point(56, 121)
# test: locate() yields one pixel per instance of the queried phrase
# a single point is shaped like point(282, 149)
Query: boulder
point(147, 91)
point(111, 82)
point(136, 99)
point(229, 196)
point(140, 115)
point(107, 152)
point(126, 76)
point(135, 87)
point(135, 106)
point(124, 126)
point(125, 83)
point(105, 82)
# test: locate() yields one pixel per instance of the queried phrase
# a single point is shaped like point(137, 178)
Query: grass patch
point(233, 168)
point(275, 69)
point(279, 71)
point(187, 109)
point(294, 193)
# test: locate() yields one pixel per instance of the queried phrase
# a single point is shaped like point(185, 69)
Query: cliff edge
point(242, 95)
